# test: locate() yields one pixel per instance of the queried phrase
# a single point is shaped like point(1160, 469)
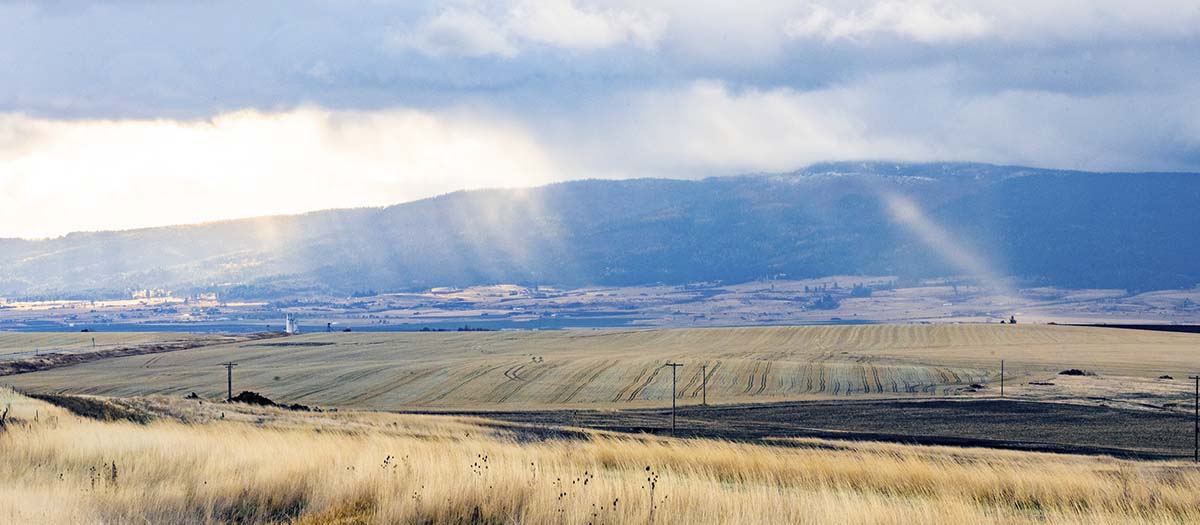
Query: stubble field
point(624, 368)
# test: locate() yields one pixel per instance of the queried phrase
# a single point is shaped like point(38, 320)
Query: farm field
point(200, 462)
point(1024, 424)
point(18, 345)
point(32, 351)
point(623, 368)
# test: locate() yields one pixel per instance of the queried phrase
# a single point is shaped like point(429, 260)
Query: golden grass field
point(623, 368)
point(215, 463)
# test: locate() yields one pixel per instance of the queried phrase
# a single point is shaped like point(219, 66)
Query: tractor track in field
point(583, 378)
point(750, 378)
point(621, 394)
point(692, 381)
point(762, 382)
point(711, 371)
point(470, 376)
point(339, 380)
point(394, 384)
point(649, 379)
point(820, 376)
point(520, 385)
point(860, 370)
point(514, 372)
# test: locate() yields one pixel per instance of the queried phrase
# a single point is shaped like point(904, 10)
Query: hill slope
point(1067, 229)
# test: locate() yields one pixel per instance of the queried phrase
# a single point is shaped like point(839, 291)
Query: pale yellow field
point(228, 464)
point(616, 368)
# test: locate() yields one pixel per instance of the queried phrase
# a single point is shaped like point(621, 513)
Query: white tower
point(290, 325)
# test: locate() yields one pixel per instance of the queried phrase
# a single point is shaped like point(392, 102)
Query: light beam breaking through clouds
point(906, 212)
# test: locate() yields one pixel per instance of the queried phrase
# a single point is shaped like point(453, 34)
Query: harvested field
point(623, 368)
point(29, 352)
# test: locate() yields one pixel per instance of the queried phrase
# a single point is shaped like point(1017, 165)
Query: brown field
point(215, 463)
point(623, 368)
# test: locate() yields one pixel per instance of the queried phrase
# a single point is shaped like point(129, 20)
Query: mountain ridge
point(1054, 227)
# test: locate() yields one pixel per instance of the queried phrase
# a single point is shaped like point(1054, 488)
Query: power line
point(229, 370)
point(1001, 378)
point(1196, 420)
point(673, 367)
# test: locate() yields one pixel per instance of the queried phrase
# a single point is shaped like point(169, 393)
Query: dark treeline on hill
point(1045, 227)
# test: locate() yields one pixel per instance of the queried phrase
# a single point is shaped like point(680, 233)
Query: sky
point(126, 114)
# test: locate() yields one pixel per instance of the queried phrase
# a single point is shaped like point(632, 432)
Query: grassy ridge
point(213, 463)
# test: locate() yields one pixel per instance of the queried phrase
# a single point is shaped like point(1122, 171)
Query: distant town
point(832, 300)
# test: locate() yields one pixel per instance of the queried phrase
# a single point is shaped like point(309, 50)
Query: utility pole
point(1001, 378)
point(229, 370)
point(704, 384)
point(1196, 419)
point(673, 367)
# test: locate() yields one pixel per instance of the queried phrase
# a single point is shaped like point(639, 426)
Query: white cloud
point(456, 32)
point(683, 88)
point(102, 174)
point(561, 23)
point(927, 22)
point(558, 23)
point(707, 128)
point(63, 175)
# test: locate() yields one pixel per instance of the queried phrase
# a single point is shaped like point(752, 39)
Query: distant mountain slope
point(1062, 228)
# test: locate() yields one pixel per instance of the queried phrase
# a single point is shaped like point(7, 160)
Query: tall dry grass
point(265, 466)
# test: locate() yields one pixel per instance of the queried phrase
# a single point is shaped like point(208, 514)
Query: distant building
point(290, 324)
point(149, 293)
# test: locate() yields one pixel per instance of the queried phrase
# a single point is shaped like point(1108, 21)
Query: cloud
point(707, 128)
point(561, 23)
point(104, 174)
point(457, 33)
point(926, 22)
point(115, 101)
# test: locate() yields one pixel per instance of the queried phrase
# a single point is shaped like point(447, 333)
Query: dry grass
point(264, 466)
point(622, 368)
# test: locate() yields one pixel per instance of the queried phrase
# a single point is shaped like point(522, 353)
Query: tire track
point(395, 384)
point(152, 361)
point(343, 379)
point(711, 371)
point(762, 383)
point(820, 377)
point(638, 391)
point(582, 379)
point(537, 375)
point(750, 379)
point(878, 383)
point(621, 395)
point(471, 376)
point(513, 372)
